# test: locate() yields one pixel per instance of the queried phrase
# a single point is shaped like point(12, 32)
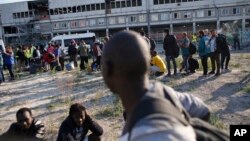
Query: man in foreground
point(126, 62)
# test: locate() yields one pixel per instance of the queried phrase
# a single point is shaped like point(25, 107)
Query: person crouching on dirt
point(76, 126)
point(26, 128)
point(158, 66)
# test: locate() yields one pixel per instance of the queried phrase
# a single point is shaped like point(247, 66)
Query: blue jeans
point(10, 69)
point(185, 62)
point(168, 59)
point(1, 75)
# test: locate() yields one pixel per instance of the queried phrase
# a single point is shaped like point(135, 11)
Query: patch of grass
point(246, 89)
point(215, 121)
point(113, 110)
point(244, 56)
point(235, 65)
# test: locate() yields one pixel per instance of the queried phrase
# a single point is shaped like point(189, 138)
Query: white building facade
point(28, 21)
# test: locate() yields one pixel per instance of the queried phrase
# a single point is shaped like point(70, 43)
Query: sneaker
point(217, 74)
point(212, 72)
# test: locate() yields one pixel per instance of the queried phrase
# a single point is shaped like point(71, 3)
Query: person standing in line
point(215, 48)
point(170, 48)
point(225, 52)
point(185, 52)
point(72, 51)
point(83, 51)
point(203, 52)
point(236, 41)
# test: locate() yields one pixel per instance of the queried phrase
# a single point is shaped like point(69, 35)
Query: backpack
point(192, 48)
point(203, 130)
point(177, 51)
point(34, 55)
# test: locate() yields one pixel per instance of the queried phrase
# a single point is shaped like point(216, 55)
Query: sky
point(10, 1)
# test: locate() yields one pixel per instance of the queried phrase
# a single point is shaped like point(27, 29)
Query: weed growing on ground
point(246, 89)
point(110, 111)
point(215, 121)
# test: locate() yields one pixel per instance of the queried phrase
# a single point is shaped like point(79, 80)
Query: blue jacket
point(202, 49)
point(207, 38)
point(9, 59)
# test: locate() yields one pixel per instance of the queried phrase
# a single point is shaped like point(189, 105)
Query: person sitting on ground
point(76, 126)
point(126, 63)
point(158, 66)
point(27, 128)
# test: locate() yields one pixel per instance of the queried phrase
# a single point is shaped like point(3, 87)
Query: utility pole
point(148, 17)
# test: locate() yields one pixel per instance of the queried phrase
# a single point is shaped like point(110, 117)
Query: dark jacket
point(15, 133)
point(70, 132)
point(72, 50)
point(169, 45)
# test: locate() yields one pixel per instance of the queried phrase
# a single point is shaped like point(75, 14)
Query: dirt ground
point(50, 95)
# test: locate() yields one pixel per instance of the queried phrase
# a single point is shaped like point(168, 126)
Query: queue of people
point(167, 114)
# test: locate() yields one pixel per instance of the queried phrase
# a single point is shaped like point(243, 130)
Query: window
point(128, 2)
point(87, 7)
point(92, 7)
point(31, 13)
point(167, 1)
point(14, 15)
point(139, 3)
point(178, 1)
point(210, 13)
point(69, 9)
point(22, 14)
point(132, 19)
point(92, 22)
point(79, 9)
point(164, 16)
point(98, 6)
point(101, 21)
point(133, 3)
point(121, 20)
point(26, 14)
point(161, 1)
point(82, 23)
point(65, 10)
point(123, 4)
point(190, 0)
point(142, 18)
point(184, 0)
point(200, 13)
point(60, 10)
point(18, 15)
point(154, 17)
point(112, 20)
point(156, 2)
point(172, 1)
point(73, 24)
point(177, 15)
point(187, 15)
point(236, 11)
point(112, 4)
point(102, 6)
point(83, 8)
point(56, 26)
point(74, 9)
point(63, 25)
point(224, 12)
point(118, 4)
